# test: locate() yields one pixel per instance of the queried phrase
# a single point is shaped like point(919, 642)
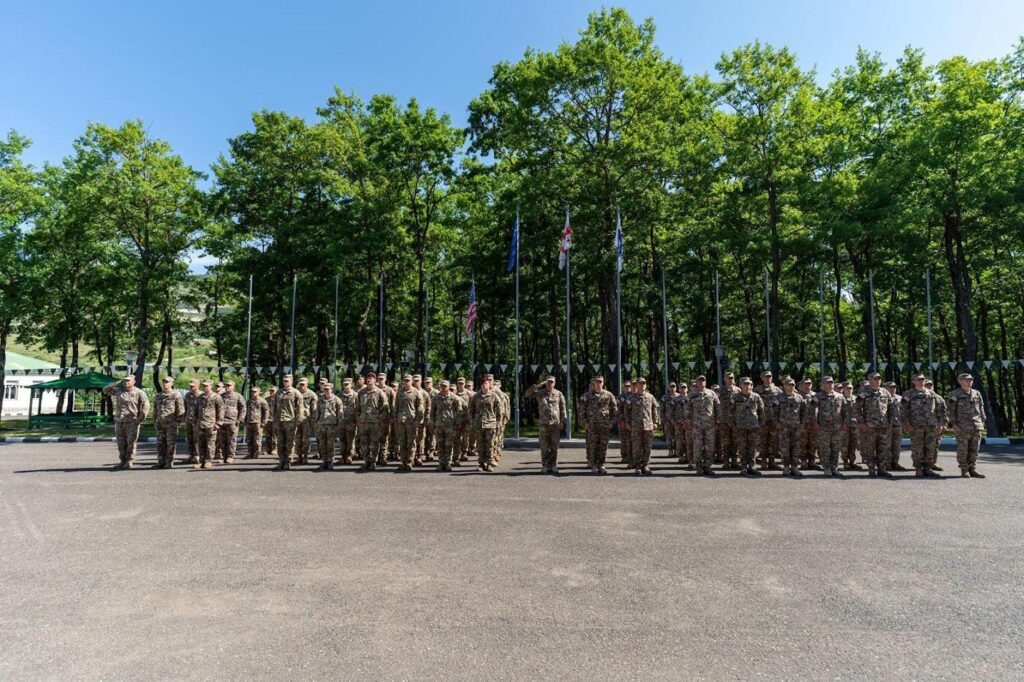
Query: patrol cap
point(287, 376)
point(874, 375)
point(207, 382)
point(497, 382)
point(408, 377)
point(641, 380)
point(371, 373)
point(428, 380)
point(746, 380)
point(230, 383)
point(328, 384)
point(927, 382)
point(220, 384)
point(766, 373)
point(416, 376)
point(254, 389)
point(806, 380)
point(671, 384)
point(730, 375)
point(598, 378)
point(443, 383)
point(488, 377)
point(965, 375)
point(890, 384)
point(789, 381)
point(550, 378)
point(323, 380)
point(919, 377)
point(193, 382)
point(168, 380)
point(460, 380)
point(827, 380)
point(347, 381)
point(304, 380)
point(701, 378)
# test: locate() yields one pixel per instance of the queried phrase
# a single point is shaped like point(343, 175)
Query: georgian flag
point(563, 253)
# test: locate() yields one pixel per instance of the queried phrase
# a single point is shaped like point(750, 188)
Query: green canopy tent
point(90, 381)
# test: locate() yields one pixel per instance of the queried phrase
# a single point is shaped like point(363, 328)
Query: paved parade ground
point(240, 572)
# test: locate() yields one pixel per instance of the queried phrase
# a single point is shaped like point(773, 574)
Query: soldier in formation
point(790, 419)
point(168, 412)
point(642, 419)
point(967, 414)
point(231, 419)
point(329, 417)
point(130, 409)
point(191, 440)
point(257, 416)
point(209, 415)
point(551, 419)
point(483, 413)
point(599, 409)
point(826, 422)
point(447, 412)
point(701, 417)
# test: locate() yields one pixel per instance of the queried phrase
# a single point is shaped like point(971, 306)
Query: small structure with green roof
point(93, 382)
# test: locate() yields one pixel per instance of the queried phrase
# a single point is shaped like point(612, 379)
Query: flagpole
point(767, 323)
point(568, 340)
point(426, 330)
point(618, 301)
point(874, 346)
point(664, 324)
point(821, 316)
point(295, 285)
point(380, 323)
point(334, 354)
point(928, 299)
point(248, 340)
point(516, 368)
point(719, 351)
point(472, 337)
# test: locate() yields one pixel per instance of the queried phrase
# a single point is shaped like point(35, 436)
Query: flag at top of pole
point(514, 251)
point(563, 253)
point(471, 313)
point(618, 241)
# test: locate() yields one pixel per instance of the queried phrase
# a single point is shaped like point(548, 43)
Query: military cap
point(701, 378)
point(641, 380)
point(928, 382)
point(394, 384)
point(323, 380)
point(347, 381)
point(254, 389)
point(408, 377)
point(497, 382)
point(488, 377)
point(220, 384)
point(287, 376)
point(806, 380)
point(789, 381)
point(328, 384)
point(168, 380)
point(442, 383)
point(672, 384)
point(919, 377)
point(827, 380)
point(416, 376)
point(874, 375)
point(207, 382)
point(598, 378)
point(890, 384)
point(371, 374)
point(193, 382)
point(730, 375)
point(549, 378)
point(965, 375)
point(229, 383)
point(745, 380)
point(460, 380)
point(304, 380)
point(766, 373)
point(428, 380)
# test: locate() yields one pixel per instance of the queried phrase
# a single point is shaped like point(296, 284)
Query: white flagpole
point(618, 300)
point(516, 368)
point(568, 341)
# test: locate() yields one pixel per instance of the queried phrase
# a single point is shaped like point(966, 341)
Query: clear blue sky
point(195, 71)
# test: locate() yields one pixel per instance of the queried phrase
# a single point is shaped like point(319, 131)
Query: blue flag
point(618, 240)
point(515, 246)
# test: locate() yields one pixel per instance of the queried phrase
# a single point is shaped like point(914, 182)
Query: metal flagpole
point(928, 299)
point(568, 341)
point(618, 301)
point(719, 351)
point(380, 323)
point(767, 322)
point(871, 295)
point(295, 285)
point(516, 368)
point(248, 341)
point(472, 333)
point(821, 316)
point(334, 354)
point(664, 325)
point(426, 329)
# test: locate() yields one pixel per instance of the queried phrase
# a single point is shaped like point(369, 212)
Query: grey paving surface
point(241, 573)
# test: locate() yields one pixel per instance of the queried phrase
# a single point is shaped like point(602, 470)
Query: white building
point(17, 391)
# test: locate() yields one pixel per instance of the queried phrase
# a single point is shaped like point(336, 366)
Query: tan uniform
point(643, 419)
point(483, 414)
point(257, 415)
point(307, 426)
point(209, 413)
point(967, 414)
point(289, 410)
point(748, 415)
point(227, 434)
point(191, 424)
point(726, 437)
point(446, 411)
point(790, 423)
point(826, 414)
point(873, 414)
point(599, 412)
point(168, 411)
point(769, 443)
point(270, 433)
point(329, 416)
point(347, 430)
point(374, 413)
point(702, 415)
point(551, 416)
point(131, 406)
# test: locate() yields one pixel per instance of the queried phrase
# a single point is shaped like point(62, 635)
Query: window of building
point(11, 392)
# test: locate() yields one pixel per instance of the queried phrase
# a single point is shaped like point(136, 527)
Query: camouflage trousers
point(166, 443)
point(484, 439)
point(270, 446)
point(285, 432)
point(499, 439)
point(769, 444)
point(463, 446)
point(625, 445)
point(967, 443)
point(791, 439)
point(387, 442)
point(747, 441)
point(191, 442)
point(830, 445)
point(669, 428)
point(458, 440)
point(369, 440)
point(346, 441)
point(895, 443)
point(430, 444)
point(227, 441)
point(874, 446)
point(597, 444)
point(703, 438)
point(325, 435)
point(127, 436)
point(406, 434)
point(303, 437)
point(253, 439)
point(808, 445)
point(206, 438)
point(421, 441)
point(684, 443)
point(444, 442)
point(727, 442)
point(549, 438)
point(923, 446)
point(848, 444)
point(641, 446)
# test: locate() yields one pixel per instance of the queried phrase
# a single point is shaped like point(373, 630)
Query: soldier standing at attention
point(209, 414)
point(289, 411)
point(919, 410)
point(233, 417)
point(191, 440)
point(808, 439)
point(874, 417)
point(429, 448)
point(896, 436)
point(702, 415)
point(748, 418)
point(420, 441)
point(483, 412)
point(347, 429)
point(668, 423)
point(967, 413)
point(769, 447)
point(503, 417)
point(374, 415)
point(387, 444)
point(943, 421)
point(270, 447)
point(826, 420)
point(130, 409)
point(726, 437)
point(791, 422)
point(169, 410)
point(473, 433)
point(643, 419)
point(307, 425)
point(551, 419)
point(677, 413)
point(625, 442)
point(599, 409)
point(257, 416)
point(446, 411)
point(408, 413)
point(848, 430)
point(329, 416)
point(466, 396)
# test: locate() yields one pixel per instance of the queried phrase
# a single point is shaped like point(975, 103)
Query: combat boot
point(602, 471)
point(936, 467)
point(930, 472)
point(751, 471)
point(158, 465)
point(708, 471)
point(168, 464)
point(796, 473)
point(646, 470)
point(899, 467)
point(974, 473)
point(964, 473)
point(207, 464)
point(457, 462)
point(885, 474)
point(918, 472)
point(836, 473)
point(827, 473)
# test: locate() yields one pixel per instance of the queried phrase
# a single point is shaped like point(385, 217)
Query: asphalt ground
point(242, 573)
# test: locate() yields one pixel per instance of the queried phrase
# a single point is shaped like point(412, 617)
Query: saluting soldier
point(551, 420)
point(130, 409)
point(168, 412)
point(233, 417)
point(191, 421)
point(967, 413)
point(643, 419)
point(257, 416)
point(483, 412)
point(289, 411)
point(599, 410)
point(446, 411)
point(270, 433)
point(748, 418)
point(209, 414)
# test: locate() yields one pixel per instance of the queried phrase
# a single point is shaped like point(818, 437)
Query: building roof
point(19, 361)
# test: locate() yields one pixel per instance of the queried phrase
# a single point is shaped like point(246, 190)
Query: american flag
point(563, 253)
point(471, 313)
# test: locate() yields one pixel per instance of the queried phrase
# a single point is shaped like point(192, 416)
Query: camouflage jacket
point(373, 405)
point(310, 401)
point(920, 408)
point(768, 395)
point(967, 410)
point(288, 406)
point(748, 411)
point(702, 408)
point(483, 410)
point(191, 402)
point(257, 411)
point(168, 407)
point(599, 409)
point(330, 411)
point(874, 408)
point(350, 400)
point(129, 405)
point(234, 409)
point(408, 406)
point(447, 410)
point(789, 410)
point(725, 395)
point(209, 410)
point(550, 405)
point(643, 412)
point(826, 409)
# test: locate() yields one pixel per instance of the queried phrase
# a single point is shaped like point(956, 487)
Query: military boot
point(974, 473)
point(964, 473)
point(936, 467)
point(751, 471)
point(929, 471)
point(796, 473)
point(918, 472)
point(836, 473)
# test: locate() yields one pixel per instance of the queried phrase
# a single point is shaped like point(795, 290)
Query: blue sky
point(195, 71)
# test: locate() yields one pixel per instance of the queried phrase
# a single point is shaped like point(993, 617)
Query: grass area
point(195, 354)
point(18, 428)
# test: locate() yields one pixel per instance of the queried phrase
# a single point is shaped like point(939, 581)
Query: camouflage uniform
point(420, 442)
point(769, 443)
point(503, 417)
point(289, 410)
point(726, 438)
point(643, 419)
point(430, 444)
point(270, 434)
point(919, 410)
point(209, 413)
point(191, 433)
point(873, 414)
point(257, 416)
point(677, 412)
point(373, 419)
point(967, 413)
point(625, 439)
point(330, 413)
point(808, 439)
point(227, 434)
point(668, 424)
point(446, 410)
point(896, 435)
point(347, 430)
point(826, 417)
point(168, 411)
point(307, 426)
point(599, 410)
point(467, 433)
point(550, 418)
point(130, 409)
point(483, 413)
point(790, 419)
point(748, 416)
point(702, 415)
point(407, 415)
point(848, 439)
